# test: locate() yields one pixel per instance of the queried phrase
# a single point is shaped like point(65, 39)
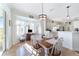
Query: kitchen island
point(70, 39)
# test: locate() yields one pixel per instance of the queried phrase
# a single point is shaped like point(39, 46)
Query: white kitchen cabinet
point(75, 41)
point(70, 39)
point(67, 38)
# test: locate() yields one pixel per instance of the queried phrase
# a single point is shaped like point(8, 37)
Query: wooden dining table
point(47, 44)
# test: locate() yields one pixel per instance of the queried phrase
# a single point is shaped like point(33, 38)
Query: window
point(2, 31)
point(39, 29)
point(32, 27)
point(26, 29)
point(20, 27)
point(23, 24)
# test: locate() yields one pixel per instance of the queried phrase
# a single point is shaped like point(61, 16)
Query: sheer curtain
point(20, 27)
point(39, 29)
point(32, 27)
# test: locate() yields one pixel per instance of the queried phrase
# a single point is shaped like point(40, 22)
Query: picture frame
point(9, 22)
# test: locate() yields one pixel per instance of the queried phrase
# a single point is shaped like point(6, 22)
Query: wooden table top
point(45, 44)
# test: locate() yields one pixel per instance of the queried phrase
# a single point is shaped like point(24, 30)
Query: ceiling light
point(42, 15)
point(68, 16)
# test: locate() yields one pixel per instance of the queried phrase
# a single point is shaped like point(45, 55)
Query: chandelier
point(42, 15)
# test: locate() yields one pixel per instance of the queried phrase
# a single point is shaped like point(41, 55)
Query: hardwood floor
point(13, 50)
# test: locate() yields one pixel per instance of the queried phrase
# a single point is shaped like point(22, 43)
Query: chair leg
point(52, 51)
point(56, 52)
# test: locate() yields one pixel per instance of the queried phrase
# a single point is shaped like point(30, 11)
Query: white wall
point(75, 24)
point(14, 39)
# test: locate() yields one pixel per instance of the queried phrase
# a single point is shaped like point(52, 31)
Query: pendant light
point(42, 15)
point(68, 16)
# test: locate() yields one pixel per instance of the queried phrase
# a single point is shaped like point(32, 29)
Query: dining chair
point(35, 40)
point(22, 38)
point(58, 47)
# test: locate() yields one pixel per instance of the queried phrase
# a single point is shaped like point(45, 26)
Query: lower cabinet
point(70, 39)
point(75, 41)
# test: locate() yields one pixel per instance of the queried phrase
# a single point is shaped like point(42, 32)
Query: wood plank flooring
point(12, 51)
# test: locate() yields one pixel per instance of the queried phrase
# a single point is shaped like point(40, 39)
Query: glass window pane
point(2, 28)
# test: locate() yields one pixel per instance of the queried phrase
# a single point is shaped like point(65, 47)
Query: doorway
point(2, 31)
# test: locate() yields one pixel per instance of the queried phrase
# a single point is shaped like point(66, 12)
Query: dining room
point(43, 29)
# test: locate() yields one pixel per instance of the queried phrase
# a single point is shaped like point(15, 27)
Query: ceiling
point(54, 11)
